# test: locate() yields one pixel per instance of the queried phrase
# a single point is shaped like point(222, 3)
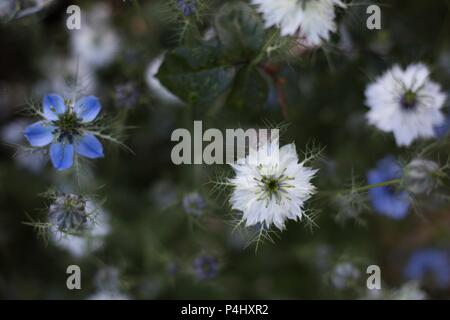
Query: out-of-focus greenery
point(153, 241)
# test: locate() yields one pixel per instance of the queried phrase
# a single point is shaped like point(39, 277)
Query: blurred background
point(163, 232)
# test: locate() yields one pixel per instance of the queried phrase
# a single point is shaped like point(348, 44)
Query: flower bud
point(68, 213)
point(419, 176)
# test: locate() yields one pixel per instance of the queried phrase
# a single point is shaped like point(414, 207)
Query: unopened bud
point(420, 176)
point(68, 213)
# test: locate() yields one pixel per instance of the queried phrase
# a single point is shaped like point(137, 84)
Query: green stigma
point(409, 100)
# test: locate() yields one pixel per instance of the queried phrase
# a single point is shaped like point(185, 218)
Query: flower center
point(409, 100)
point(68, 125)
point(271, 184)
point(273, 187)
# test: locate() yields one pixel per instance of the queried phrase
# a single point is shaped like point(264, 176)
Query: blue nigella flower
point(429, 262)
point(388, 200)
point(65, 128)
point(187, 6)
point(205, 267)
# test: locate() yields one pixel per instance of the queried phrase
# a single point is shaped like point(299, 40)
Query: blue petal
point(39, 134)
point(89, 147)
point(87, 108)
point(61, 155)
point(53, 105)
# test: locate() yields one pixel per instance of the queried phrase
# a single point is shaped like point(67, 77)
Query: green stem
point(363, 188)
point(261, 54)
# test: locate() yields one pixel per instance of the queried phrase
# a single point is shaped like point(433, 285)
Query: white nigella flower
point(311, 20)
point(271, 186)
point(405, 102)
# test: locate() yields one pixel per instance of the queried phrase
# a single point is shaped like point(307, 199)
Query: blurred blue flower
point(187, 6)
point(127, 95)
point(388, 200)
point(442, 130)
point(64, 128)
point(205, 267)
point(194, 203)
point(429, 262)
point(172, 268)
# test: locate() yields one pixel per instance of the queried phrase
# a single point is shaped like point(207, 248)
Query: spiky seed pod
point(420, 176)
point(68, 213)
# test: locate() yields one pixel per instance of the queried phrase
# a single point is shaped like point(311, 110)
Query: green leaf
point(240, 30)
point(196, 75)
point(250, 89)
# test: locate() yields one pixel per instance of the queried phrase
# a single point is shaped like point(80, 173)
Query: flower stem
point(361, 189)
point(262, 53)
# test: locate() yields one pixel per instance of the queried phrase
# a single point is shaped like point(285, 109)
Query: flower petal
point(39, 134)
point(89, 147)
point(87, 108)
point(61, 155)
point(53, 105)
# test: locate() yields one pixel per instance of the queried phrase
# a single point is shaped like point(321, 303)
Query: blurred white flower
point(271, 186)
point(96, 43)
point(409, 291)
point(7, 9)
point(91, 239)
point(311, 20)
point(97, 46)
point(108, 295)
point(153, 83)
point(12, 133)
point(32, 160)
point(60, 74)
point(107, 283)
point(406, 103)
